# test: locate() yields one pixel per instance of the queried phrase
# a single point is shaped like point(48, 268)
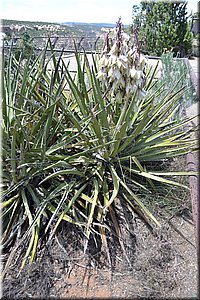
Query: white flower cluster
point(121, 67)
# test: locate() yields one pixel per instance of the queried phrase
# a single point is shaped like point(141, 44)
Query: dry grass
point(170, 200)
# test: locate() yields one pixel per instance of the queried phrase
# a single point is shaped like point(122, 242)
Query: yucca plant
point(69, 154)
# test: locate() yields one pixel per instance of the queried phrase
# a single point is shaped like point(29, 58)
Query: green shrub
point(176, 71)
point(195, 46)
point(69, 155)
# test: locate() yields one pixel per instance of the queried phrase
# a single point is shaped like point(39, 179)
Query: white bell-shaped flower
point(121, 67)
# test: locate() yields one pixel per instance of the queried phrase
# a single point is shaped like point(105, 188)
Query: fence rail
point(64, 44)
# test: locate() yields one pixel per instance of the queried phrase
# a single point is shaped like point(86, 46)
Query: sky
point(91, 11)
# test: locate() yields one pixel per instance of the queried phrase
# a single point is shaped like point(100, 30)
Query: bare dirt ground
point(160, 265)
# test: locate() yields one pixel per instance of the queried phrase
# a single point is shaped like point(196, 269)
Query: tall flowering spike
point(122, 67)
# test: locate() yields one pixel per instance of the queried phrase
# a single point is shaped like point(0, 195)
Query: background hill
point(43, 28)
point(85, 35)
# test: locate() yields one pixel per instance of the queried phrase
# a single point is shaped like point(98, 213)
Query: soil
point(159, 263)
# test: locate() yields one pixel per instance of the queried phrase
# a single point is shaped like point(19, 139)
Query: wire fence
point(69, 44)
point(64, 44)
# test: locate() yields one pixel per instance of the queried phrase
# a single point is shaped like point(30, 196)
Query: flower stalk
point(121, 66)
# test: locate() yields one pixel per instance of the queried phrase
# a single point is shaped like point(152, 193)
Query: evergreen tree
point(163, 25)
point(25, 47)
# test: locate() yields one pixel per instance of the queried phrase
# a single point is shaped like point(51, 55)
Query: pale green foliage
point(176, 71)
